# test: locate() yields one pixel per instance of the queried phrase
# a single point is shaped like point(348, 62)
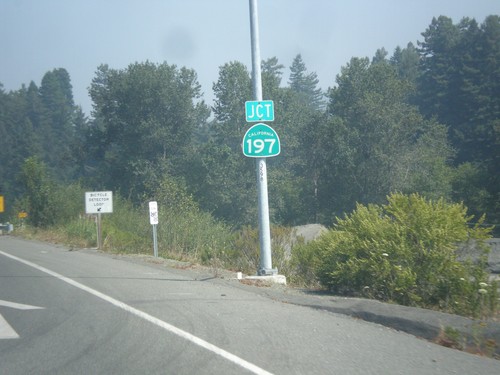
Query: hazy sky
point(39, 35)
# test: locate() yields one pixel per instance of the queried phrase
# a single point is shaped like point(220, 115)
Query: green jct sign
point(256, 111)
point(261, 141)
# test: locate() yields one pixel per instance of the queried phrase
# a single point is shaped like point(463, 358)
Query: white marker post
point(153, 219)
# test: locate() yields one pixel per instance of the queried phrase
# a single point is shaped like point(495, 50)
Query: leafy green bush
point(38, 199)
point(405, 252)
point(47, 202)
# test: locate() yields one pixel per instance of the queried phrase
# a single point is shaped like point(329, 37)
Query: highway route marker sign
point(261, 141)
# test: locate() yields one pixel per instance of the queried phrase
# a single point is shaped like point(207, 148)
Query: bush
point(405, 252)
point(47, 202)
point(39, 199)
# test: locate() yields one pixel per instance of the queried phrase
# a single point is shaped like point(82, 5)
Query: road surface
point(90, 313)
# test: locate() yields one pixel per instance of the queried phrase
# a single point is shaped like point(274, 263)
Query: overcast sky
point(39, 35)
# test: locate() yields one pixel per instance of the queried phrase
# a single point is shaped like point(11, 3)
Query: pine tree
point(56, 121)
point(406, 61)
point(305, 84)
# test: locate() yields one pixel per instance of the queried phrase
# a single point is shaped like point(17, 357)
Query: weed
point(476, 342)
point(451, 338)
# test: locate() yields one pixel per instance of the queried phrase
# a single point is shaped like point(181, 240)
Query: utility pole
point(261, 167)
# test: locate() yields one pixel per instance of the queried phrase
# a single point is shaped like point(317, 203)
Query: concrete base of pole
point(271, 279)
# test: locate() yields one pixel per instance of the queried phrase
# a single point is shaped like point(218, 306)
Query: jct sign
point(259, 111)
point(99, 202)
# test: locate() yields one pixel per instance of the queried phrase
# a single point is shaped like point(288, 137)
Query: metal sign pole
point(99, 232)
point(261, 167)
point(155, 241)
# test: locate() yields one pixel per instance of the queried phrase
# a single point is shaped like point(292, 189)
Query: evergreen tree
point(225, 180)
point(272, 72)
point(55, 121)
point(459, 84)
point(380, 56)
point(406, 61)
point(18, 138)
point(305, 84)
point(5, 140)
point(34, 107)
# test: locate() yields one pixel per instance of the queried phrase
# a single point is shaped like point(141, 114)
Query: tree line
point(425, 120)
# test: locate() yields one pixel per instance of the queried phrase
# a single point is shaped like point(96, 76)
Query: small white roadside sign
point(153, 213)
point(153, 219)
point(99, 202)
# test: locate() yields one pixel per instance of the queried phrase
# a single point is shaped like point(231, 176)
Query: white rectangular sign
point(98, 202)
point(153, 213)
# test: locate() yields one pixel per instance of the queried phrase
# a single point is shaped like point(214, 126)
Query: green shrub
point(405, 252)
point(38, 196)
point(47, 203)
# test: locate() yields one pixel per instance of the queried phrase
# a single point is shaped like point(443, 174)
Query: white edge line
point(141, 314)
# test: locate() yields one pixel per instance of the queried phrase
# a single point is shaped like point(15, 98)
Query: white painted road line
point(160, 323)
point(6, 331)
point(19, 306)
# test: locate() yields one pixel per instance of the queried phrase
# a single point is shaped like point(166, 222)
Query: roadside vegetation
point(404, 251)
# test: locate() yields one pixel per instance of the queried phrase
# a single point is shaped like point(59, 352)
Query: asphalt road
point(100, 314)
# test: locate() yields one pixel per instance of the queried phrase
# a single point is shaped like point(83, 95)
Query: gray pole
point(155, 242)
point(261, 168)
point(99, 232)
